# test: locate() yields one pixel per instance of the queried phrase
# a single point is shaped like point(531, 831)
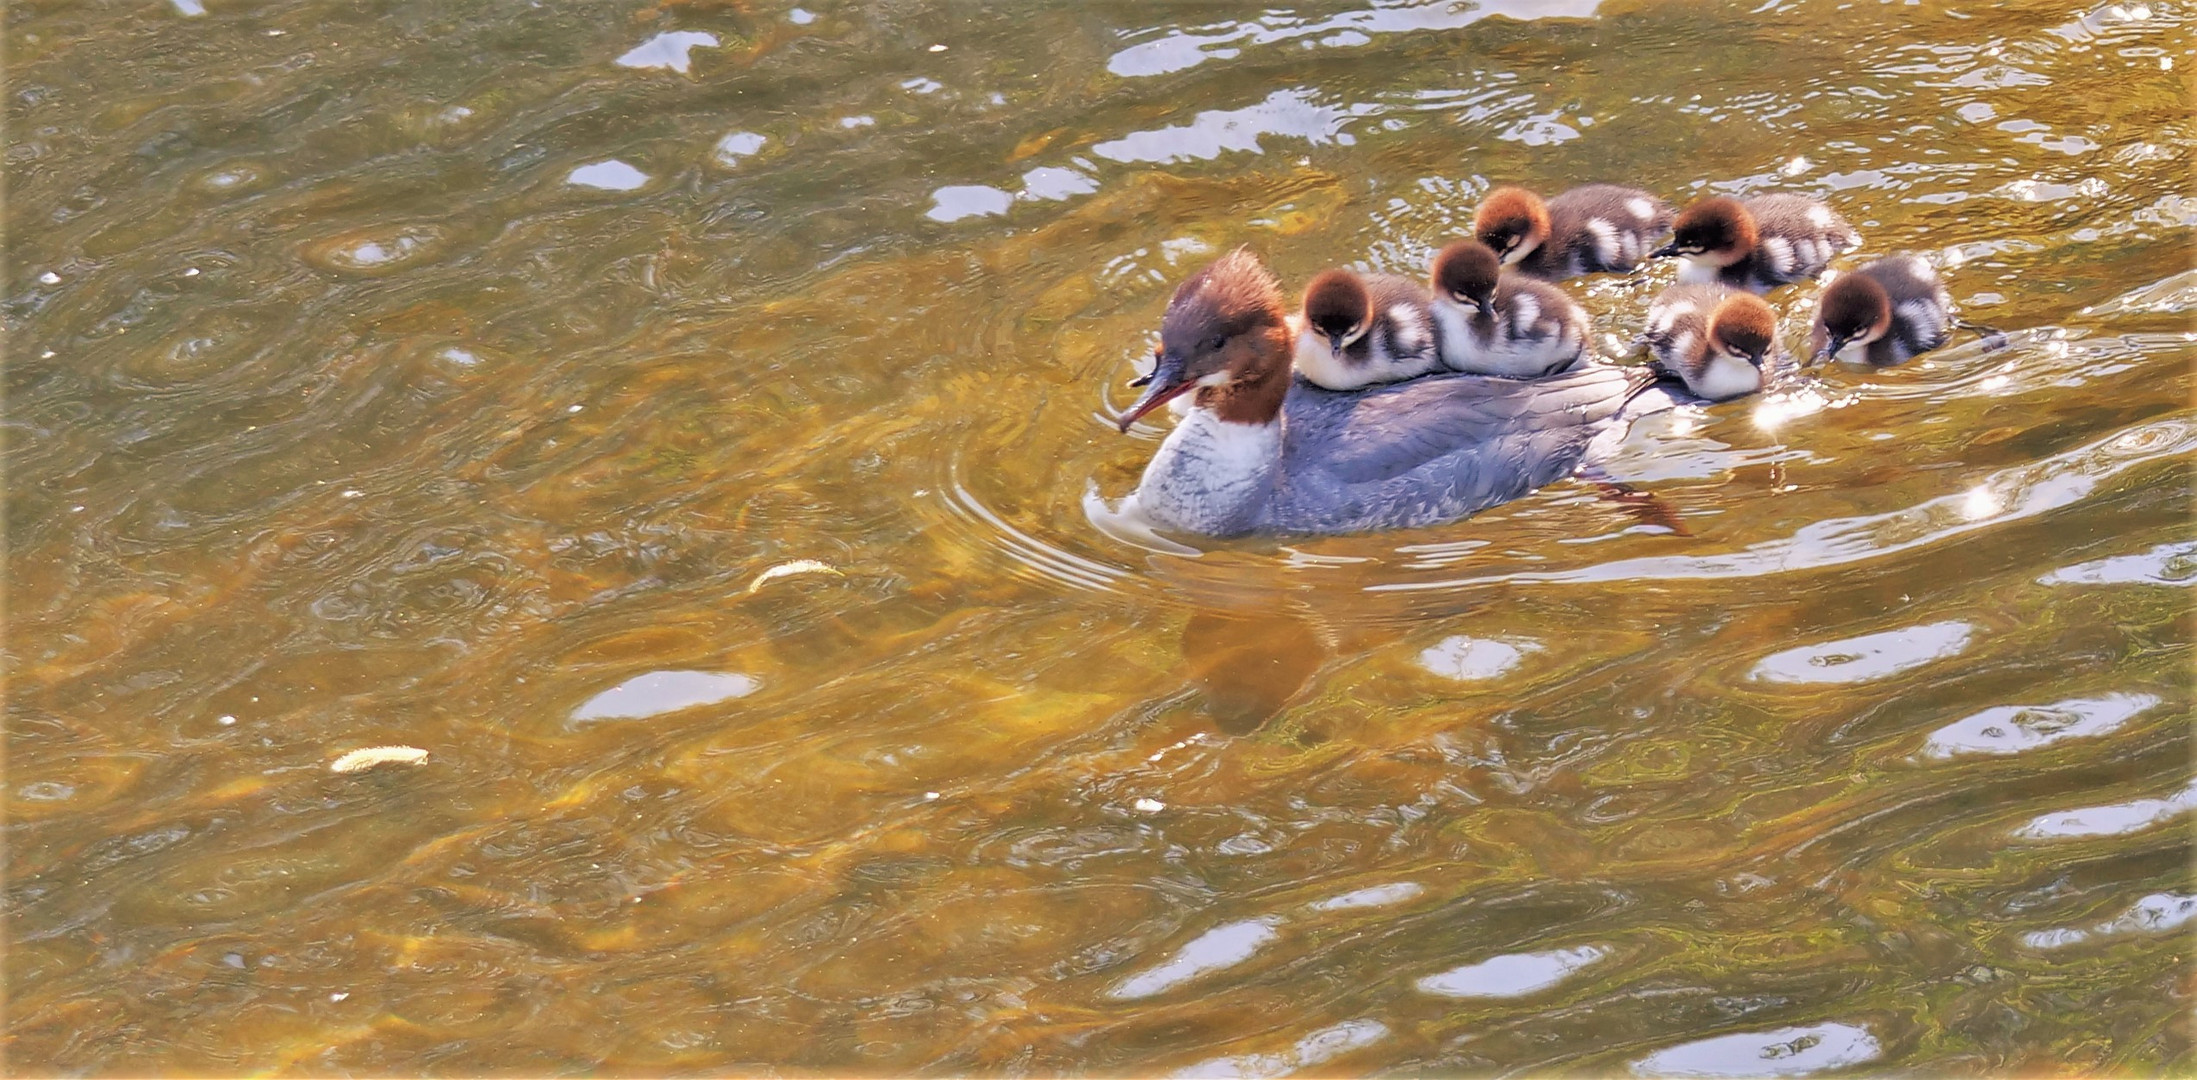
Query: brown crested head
point(1744, 324)
point(1337, 305)
point(1854, 306)
point(1223, 334)
point(1466, 271)
point(1511, 219)
point(1711, 225)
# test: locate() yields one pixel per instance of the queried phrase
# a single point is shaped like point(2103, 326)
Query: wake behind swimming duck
point(1260, 451)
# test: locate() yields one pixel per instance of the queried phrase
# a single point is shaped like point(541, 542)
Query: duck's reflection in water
point(1248, 666)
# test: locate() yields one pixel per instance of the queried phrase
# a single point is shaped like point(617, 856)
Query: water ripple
point(2112, 819)
point(1793, 1051)
point(1181, 50)
point(1512, 976)
point(1285, 113)
point(1872, 656)
point(1316, 1049)
point(2015, 493)
point(662, 692)
point(2158, 913)
point(1221, 947)
point(2172, 563)
point(2015, 729)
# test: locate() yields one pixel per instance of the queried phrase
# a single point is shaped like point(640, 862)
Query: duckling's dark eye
point(1217, 342)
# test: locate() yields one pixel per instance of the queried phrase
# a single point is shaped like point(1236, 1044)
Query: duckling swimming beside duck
point(1260, 451)
point(1715, 340)
point(1593, 229)
point(1885, 313)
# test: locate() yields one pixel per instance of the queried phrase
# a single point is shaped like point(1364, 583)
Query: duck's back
point(1434, 449)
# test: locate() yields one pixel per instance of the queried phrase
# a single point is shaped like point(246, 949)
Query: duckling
point(1261, 452)
point(1885, 313)
point(1359, 330)
point(1713, 339)
point(1495, 323)
point(1757, 244)
point(1593, 229)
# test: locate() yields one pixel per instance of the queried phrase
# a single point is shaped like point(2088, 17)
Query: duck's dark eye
point(1218, 341)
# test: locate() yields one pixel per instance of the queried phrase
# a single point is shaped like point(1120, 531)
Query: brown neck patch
point(1258, 367)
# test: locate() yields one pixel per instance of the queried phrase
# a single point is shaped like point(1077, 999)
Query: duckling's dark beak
point(1830, 349)
point(1665, 252)
point(1486, 304)
point(1164, 384)
point(1335, 342)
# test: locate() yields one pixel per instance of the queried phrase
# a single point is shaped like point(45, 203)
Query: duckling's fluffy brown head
point(1337, 305)
point(1853, 308)
point(1512, 222)
point(1716, 225)
point(1744, 325)
point(1466, 272)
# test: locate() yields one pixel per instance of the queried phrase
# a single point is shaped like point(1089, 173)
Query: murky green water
point(418, 373)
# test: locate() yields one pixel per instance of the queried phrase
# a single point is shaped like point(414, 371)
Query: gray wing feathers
point(1461, 424)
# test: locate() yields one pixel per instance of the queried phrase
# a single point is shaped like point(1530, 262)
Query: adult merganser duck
point(1493, 323)
point(1885, 313)
point(1713, 339)
point(1361, 330)
point(1262, 452)
point(1757, 244)
point(1593, 229)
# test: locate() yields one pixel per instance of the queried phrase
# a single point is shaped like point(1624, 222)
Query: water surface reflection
point(681, 434)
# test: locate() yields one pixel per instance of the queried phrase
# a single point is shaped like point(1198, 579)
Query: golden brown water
point(417, 373)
